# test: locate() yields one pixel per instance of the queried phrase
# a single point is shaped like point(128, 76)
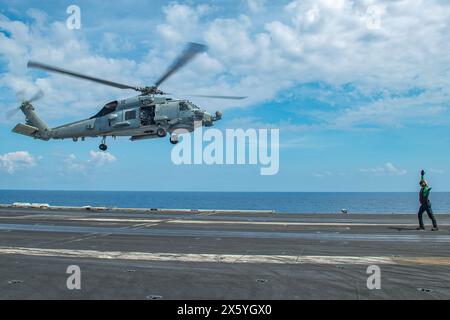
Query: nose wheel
point(173, 139)
point(103, 146)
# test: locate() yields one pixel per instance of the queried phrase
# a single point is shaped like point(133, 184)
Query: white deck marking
point(226, 258)
point(75, 218)
point(280, 223)
point(116, 220)
point(232, 222)
point(193, 257)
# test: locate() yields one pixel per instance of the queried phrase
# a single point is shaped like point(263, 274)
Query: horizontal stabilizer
point(25, 129)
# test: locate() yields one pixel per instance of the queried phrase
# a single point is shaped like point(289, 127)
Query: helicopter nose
point(198, 115)
point(207, 119)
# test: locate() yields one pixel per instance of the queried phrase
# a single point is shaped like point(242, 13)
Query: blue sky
point(359, 91)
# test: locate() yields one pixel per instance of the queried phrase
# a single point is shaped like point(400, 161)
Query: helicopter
point(151, 114)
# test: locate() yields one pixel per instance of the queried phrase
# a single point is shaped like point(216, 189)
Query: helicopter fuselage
point(148, 115)
point(140, 117)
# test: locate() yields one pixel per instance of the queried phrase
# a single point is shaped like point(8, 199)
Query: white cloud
point(112, 42)
point(386, 169)
point(181, 21)
point(323, 174)
point(394, 111)
point(96, 159)
point(72, 165)
point(100, 158)
point(285, 37)
point(53, 43)
point(14, 161)
point(256, 5)
point(329, 41)
point(437, 171)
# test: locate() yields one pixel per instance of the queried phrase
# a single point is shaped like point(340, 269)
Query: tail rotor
point(21, 97)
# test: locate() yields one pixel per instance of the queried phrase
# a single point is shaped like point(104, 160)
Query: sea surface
point(287, 202)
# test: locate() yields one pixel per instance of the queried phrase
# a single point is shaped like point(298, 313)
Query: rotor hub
point(153, 90)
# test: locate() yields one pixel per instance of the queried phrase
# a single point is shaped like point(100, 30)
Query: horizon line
point(209, 191)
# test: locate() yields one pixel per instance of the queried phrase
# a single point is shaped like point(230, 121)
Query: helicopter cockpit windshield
point(192, 105)
point(184, 106)
point(107, 109)
point(187, 105)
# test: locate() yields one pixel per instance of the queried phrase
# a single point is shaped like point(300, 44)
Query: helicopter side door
point(105, 124)
point(131, 119)
point(121, 120)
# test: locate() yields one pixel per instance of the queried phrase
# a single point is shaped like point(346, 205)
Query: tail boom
point(34, 126)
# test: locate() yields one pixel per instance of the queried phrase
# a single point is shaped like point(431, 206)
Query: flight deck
point(207, 254)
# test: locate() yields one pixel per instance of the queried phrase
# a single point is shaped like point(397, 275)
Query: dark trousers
point(426, 207)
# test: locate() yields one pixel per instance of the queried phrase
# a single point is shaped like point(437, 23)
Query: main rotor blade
point(218, 97)
point(38, 65)
point(188, 54)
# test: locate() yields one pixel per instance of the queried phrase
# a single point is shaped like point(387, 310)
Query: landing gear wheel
point(174, 139)
point(103, 145)
point(161, 132)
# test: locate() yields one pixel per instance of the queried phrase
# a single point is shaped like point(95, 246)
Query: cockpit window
point(107, 109)
point(130, 115)
point(184, 106)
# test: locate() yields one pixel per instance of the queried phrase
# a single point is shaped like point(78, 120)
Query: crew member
point(425, 204)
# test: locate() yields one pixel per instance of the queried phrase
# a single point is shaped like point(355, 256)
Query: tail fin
point(34, 126)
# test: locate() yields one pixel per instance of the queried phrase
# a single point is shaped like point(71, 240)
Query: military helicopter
point(149, 115)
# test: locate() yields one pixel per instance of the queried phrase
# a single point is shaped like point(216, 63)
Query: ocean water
point(287, 202)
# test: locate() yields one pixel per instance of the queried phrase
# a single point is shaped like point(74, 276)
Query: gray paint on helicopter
point(148, 115)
